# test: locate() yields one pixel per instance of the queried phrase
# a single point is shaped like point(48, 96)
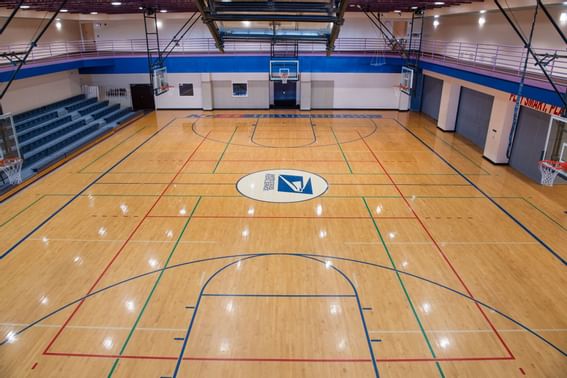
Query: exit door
point(285, 95)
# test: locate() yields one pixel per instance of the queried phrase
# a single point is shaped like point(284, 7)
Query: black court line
point(45, 221)
point(488, 197)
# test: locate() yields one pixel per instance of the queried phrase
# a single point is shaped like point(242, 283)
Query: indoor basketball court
point(283, 189)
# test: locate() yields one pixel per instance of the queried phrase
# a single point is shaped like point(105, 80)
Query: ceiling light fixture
point(439, 3)
point(24, 7)
point(116, 3)
point(94, 12)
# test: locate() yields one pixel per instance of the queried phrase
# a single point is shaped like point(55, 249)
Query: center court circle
point(282, 186)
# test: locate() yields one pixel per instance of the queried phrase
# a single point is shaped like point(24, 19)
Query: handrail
point(504, 59)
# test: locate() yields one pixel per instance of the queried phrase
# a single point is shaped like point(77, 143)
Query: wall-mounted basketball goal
point(284, 70)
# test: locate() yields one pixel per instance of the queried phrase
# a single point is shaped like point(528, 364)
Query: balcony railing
point(503, 59)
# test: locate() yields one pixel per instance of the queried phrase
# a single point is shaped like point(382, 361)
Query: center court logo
point(282, 185)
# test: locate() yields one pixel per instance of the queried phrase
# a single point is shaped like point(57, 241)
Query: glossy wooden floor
point(402, 269)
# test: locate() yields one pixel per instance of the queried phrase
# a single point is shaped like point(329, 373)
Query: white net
point(549, 170)
point(12, 168)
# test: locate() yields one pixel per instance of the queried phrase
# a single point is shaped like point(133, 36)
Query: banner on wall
point(538, 105)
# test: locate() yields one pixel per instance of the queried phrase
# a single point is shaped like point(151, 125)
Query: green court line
point(31, 204)
point(21, 211)
point(156, 283)
point(342, 152)
point(225, 148)
point(403, 287)
point(107, 152)
point(542, 212)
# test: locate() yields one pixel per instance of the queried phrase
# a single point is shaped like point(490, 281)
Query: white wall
point(356, 90)
point(134, 29)
point(22, 30)
point(496, 30)
point(172, 100)
point(26, 94)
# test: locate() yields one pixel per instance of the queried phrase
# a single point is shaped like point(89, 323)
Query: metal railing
point(505, 59)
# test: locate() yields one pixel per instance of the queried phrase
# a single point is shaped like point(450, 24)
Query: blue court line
point(282, 295)
point(526, 229)
point(45, 221)
point(251, 255)
point(201, 294)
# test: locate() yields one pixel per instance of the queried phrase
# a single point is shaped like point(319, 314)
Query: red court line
point(121, 248)
point(439, 249)
point(278, 359)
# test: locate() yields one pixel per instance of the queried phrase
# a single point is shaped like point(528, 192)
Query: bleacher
point(52, 132)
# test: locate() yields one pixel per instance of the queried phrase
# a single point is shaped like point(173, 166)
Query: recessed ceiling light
point(116, 3)
point(414, 8)
point(482, 12)
point(436, 16)
point(24, 6)
point(64, 10)
point(163, 11)
point(397, 11)
point(439, 3)
point(94, 12)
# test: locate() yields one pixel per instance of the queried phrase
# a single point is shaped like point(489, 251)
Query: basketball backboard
point(161, 85)
point(406, 82)
point(9, 147)
point(284, 70)
point(556, 141)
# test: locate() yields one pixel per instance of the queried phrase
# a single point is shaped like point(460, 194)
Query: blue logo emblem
point(294, 184)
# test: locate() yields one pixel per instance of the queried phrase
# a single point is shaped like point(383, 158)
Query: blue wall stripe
point(252, 63)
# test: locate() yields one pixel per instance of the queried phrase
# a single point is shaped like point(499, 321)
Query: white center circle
point(282, 185)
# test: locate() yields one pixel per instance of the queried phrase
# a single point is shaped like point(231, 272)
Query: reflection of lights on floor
point(108, 343)
point(102, 232)
point(130, 306)
point(11, 337)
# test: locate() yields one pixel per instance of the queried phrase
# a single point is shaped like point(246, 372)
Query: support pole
point(520, 88)
point(32, 45)
point(11, 16)
point(533, 54)
point(337, 26)
point(550, 18)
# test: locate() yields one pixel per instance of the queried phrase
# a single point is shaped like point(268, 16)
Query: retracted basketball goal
point(554, 157)
point(10, 160)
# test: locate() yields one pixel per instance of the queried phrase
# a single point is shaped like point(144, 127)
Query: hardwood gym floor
point(140, 258)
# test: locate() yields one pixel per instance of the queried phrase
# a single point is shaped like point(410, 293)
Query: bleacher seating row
point(53, 131)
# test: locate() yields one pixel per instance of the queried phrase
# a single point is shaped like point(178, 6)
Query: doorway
point(142, 97)
point(285, 95)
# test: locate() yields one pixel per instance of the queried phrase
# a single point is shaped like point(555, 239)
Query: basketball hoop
point(549, 170)
point(12, 167)
point(284, 76)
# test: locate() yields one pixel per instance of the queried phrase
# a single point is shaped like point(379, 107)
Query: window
point(186, 90)
point(239, 89)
